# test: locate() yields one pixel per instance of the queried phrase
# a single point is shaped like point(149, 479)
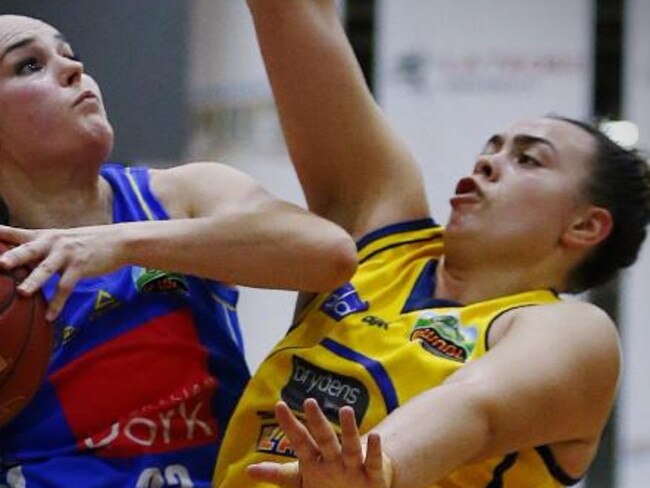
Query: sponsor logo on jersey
point(375, 321)
point(342, 302)
point(183, 419)
point(272, 440)
point(121, 399)
point(155, 280)
point(331, 390)
point(444, 336)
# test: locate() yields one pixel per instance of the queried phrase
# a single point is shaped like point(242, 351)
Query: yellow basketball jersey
point(373, 344)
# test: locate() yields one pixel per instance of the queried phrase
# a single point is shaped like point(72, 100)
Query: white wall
point(635, 397)
point(475, 67)
point(235, 122)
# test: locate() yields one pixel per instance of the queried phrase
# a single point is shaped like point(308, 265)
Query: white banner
point(452, 73)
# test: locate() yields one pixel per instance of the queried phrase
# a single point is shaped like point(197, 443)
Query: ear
point(589, 229)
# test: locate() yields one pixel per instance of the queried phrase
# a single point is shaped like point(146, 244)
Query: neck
point(466, 280)
point(59, 200)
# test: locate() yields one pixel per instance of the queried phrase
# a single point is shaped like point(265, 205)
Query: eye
point(526, 160)
point(73, 57)
point(28, 65)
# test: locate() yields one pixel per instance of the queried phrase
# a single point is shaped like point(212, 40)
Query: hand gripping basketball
point(26, 342)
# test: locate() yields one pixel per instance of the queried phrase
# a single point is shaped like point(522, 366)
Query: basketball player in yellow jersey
point(448, 345)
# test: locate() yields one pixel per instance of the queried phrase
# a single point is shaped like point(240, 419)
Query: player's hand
point(72, 253)
point(323, 461)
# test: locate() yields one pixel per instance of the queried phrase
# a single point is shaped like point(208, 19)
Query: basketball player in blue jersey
point(450, 344)
point(137, 267)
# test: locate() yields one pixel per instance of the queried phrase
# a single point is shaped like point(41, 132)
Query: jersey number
point(175, 475)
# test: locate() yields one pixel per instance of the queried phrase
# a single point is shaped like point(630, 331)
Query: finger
point(374, 459)
point(63, 291)
point(15, 235)
point(41, 274)
point(22, 254)
point(286, 475)
point(322, 431)
point(301, 440)
point(351, 451)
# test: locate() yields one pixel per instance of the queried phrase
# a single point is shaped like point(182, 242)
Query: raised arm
point(353, 168)
point(223, 226)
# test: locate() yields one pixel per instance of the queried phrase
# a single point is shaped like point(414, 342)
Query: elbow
point(340, 256)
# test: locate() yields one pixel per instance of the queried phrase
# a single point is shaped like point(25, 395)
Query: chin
point(99, 139)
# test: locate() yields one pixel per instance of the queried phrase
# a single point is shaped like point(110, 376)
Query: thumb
point(285, 475)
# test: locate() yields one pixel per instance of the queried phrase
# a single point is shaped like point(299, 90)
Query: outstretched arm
point(224, 226)
point(539, 385)
point(353, 167)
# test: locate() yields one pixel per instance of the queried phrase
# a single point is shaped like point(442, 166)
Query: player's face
point(47, 101)
point(528, 185)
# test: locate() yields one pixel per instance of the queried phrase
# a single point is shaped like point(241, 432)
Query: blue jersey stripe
point(375, 368)
point(394, 229)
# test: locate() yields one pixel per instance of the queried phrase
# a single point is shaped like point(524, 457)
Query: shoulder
point(581, 330)
point(181, 188)
point(219, 174)
point(571, 314)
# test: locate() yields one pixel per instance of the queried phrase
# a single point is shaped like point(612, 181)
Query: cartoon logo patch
point(444, 336)
point(343, 302)
point(155, 280)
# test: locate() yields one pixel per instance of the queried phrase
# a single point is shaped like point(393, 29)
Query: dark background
point(137, 52)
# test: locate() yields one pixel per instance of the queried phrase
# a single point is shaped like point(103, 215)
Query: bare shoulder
point(568, 367)
point(186, 188)
point(570, 319)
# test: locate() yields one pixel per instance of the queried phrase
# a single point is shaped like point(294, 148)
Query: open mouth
point(467, 186)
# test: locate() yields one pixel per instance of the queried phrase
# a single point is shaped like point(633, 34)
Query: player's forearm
point(433, 435)
point(286, 249)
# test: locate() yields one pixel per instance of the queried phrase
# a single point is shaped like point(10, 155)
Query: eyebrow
point(522, 140)
point(26, 42)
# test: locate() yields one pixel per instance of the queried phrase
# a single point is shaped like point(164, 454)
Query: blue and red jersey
point(147, 369)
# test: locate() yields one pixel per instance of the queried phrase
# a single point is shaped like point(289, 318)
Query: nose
point(71, 71)
point(487, 167)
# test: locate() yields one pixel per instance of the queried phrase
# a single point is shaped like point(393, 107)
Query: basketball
point(26, 342)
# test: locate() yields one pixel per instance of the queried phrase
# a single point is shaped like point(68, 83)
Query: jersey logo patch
point(272, 440)
point(342, 302)
point(155, 280)
point(104, 302)
point(331, 390)
point(444, 336)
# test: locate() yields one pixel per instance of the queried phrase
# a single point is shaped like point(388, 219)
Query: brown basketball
point(26, 342)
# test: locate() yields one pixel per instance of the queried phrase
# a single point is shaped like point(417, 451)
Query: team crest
point(152, 280)
point(444, 336)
